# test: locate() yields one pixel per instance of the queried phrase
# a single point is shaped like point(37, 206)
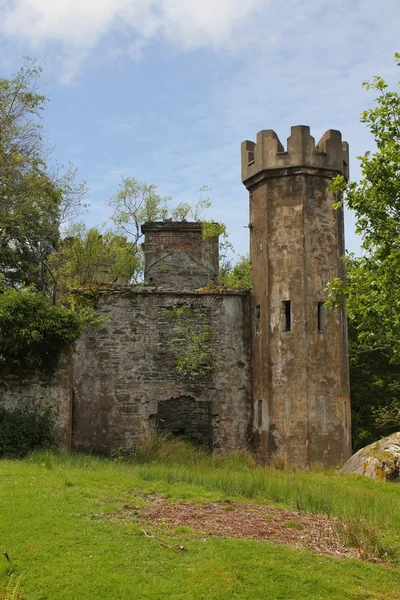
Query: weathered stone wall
point(41, 392)
point(178, 257)
point(300, 360)
point(125, 377)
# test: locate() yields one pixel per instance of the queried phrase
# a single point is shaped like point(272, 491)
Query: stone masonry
point(301, 404)
point(273, 368)
point(177, 256)
point(126, 382)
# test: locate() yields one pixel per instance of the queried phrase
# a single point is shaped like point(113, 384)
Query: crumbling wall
point(126, 380)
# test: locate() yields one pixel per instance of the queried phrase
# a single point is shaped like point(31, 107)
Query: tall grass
point(12, 590)
point(365, 506)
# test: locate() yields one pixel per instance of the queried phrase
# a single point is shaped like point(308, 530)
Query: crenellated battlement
point(268, 153)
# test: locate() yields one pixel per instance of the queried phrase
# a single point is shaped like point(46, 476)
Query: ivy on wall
point(192, 340)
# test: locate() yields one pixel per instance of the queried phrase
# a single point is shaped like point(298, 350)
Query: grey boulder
point(380, 460)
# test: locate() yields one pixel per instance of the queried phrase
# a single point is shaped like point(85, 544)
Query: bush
point(22, 430)
point(32, 331)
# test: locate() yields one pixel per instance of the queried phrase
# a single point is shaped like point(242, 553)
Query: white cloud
point(76, 26)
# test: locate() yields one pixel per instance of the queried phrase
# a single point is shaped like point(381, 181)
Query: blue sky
point(166, 90)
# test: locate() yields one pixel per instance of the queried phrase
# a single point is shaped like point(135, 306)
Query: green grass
point(54, 526)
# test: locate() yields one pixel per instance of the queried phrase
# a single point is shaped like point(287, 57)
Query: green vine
point(195, 354)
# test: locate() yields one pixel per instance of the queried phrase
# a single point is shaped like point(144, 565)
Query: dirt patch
point(248, 521)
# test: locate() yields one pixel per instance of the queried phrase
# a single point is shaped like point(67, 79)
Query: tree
point(372, 289)
point(87, 256)
point(136, 203)
point(238, 275)
point(34, 199)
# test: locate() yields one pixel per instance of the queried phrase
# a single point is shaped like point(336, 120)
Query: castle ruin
point(266, 368)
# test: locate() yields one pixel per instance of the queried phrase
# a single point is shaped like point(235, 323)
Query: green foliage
point(33, 332)
point(211, 229)
point(372, 287)
point(184, 210)
point(34, 200)
point(136, 203)
point(192, 339)
point(87, 256)
point(375, 393)
point(238, 276)
point(23, 430)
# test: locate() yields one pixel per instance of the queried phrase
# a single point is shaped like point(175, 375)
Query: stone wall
point(126, 382)
point(178, 257)
point(40, 392)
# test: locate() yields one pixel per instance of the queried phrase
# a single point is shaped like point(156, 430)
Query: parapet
point(330, 154)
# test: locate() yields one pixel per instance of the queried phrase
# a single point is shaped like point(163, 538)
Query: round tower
point(300, 354)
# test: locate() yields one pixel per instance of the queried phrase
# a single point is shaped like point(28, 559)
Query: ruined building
point(266, 369)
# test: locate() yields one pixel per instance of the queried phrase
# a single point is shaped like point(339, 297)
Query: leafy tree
point(375, 393)
point(136, 203)
point(237, 275)
point(87, 256)
point(372, 289)
point(34, 199)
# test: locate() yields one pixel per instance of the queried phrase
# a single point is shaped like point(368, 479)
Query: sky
point(166, 90)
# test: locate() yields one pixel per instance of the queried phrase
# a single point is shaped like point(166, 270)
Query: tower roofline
point(268, 152)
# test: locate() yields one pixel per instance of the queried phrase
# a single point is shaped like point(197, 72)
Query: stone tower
point(301, 406)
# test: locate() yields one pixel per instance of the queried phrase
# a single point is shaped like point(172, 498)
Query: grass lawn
point(54, 525)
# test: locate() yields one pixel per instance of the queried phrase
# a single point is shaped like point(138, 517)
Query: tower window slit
point(257, 315)
point(286, 315)
point(259, 414)
point(320, 317)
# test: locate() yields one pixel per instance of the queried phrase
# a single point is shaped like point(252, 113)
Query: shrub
point(32, 331)
point(22, 430)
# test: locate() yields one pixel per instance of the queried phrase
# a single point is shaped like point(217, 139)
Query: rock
point(380, 460)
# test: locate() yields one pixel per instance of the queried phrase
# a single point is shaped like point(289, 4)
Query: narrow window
point(259, 414)
point(286, 315)
point(320, 317)
point(257, 317)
